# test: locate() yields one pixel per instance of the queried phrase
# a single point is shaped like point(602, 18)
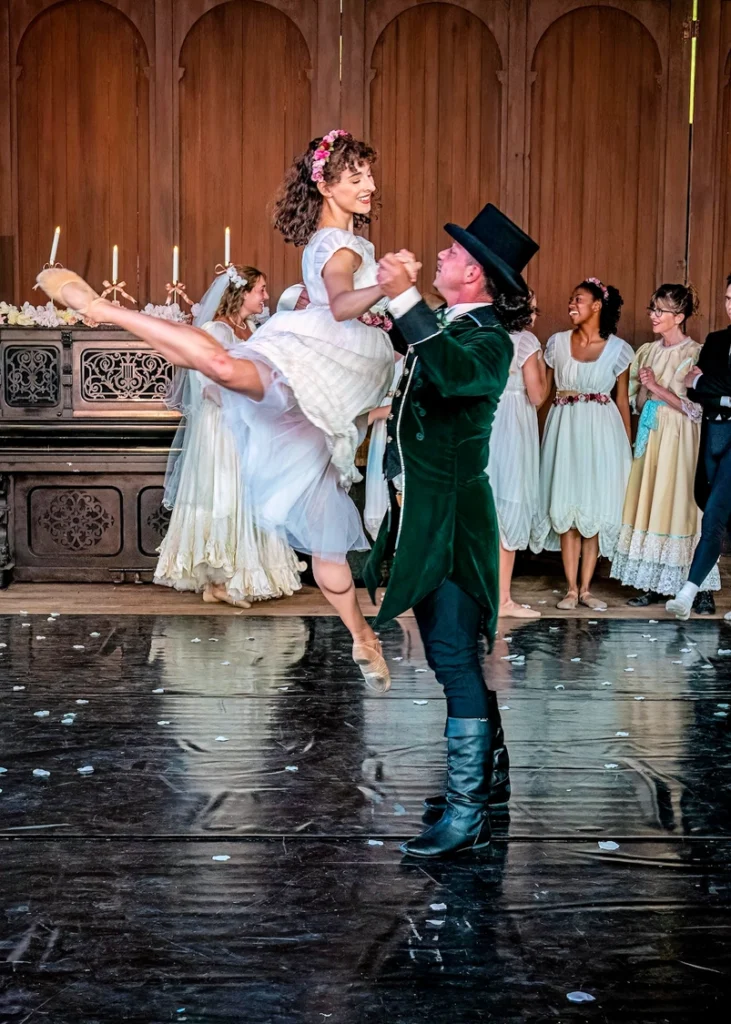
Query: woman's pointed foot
point(511, 610)
point(592, 602)
point(568, 603)
point(368, 656)
point(68, 289)
point(217, 594)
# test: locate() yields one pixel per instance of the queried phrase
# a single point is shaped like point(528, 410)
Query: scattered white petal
point(631, 655)
point(593, 622)
point(3, 771)
point(86, 770)
point(677, 663)
point(720, 714)
point(94, 634)
point(646, 636)
point(611, 765)
point(560, 687)
point(41, 773)
point(164, 722)
point(576, 659)
point(653, 622)
point(421, 703)
point(723, 651)
point(219, 857)
point(79, 647)
point(609, 844)
point(221, 739)
point(399, 810)
point(556, 591)
point(291, 768)
point(639, 698)
point(621, 734)
point(82, 701)
point(504, 707)
point(283, 688)
point(417, 670)
point(508, 639)
point(434, 922)
point(55, 615)
point(225, 662)
point(3, 645)
point(553, 629)
point(397, 659)
point(607, 683)
point(41, 714)
point(212, 639)
point(40, 638)
point(580, 997)
point(724, 706)
point(375, 842)
point(26, 625)
point(17, 688)
point(509, 657)
point(653, 639)
point(686, 650)
point(438, 906)
point(629, 670)
point(159, 690)
point(542, 602)
point(196, 640)
point(23, 613)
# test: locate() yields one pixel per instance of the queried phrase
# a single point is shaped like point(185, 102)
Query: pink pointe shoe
point(368, 656)
point(54, 281)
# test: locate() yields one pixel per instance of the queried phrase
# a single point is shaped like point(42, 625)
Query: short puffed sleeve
point(638, 361)
point(550, 354)
point(223, 334)
point(331, 241)
point(526, 345)
point(623, 358)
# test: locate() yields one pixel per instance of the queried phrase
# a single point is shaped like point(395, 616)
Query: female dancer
point(661, 521)
point(213, 544)
point(514, 457)
point(294, 393)
point(586, 456)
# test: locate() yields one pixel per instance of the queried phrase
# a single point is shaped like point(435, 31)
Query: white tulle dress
point(321, 379)
point(212, 538)
point(514, 451)
point(585, 456)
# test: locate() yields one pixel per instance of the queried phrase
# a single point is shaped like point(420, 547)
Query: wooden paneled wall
point(155, 122)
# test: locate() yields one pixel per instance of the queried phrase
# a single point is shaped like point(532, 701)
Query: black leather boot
point(465, 824)
point(499, 785)
point(704, 603)
point(643, 600)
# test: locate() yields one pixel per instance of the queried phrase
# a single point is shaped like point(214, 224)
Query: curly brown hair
point(683, 298)
point(233, 298)
point(298, 205)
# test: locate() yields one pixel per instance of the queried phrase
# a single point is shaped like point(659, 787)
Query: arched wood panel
point(244, 114)
point(436, 117)
point(82, 128)
point(596, 163)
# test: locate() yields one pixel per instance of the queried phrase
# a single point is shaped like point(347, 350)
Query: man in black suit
point(709, 384)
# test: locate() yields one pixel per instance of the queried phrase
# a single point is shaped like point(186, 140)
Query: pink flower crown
point(602, 288)
point(323, 152)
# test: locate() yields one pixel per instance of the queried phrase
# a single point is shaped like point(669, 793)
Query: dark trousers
point(449, 622)
point(717, 513)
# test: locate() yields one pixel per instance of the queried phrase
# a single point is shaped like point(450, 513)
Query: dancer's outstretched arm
point(184, 346)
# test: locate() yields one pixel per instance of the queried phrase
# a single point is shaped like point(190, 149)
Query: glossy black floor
point(252, 739)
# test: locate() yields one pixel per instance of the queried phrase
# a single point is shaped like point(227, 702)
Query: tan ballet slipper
point(209, 597)
point(594, 603)
point(568, 604)
point(368, 656)
point(218, 594)
point(54, 281)
point(516, 611)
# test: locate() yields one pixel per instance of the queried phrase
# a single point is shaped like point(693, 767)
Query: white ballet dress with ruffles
point(321, 377)
point(212, 537)
point(514, 451)
point(585, 455)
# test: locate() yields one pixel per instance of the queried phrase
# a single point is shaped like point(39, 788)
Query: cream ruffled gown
point(213, 538)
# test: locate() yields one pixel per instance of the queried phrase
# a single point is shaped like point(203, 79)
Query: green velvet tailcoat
point(446, 527)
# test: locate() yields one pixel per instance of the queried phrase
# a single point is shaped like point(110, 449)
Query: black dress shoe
point(643, 600)
point(704, 603)
point(499, 786)
point(465, 825)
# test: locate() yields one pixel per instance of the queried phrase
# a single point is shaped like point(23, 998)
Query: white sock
point(686, 594)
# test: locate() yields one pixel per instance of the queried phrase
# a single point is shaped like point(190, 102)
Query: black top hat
point(499, 245)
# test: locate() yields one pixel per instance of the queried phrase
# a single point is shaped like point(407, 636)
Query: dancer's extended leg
point(335, 580)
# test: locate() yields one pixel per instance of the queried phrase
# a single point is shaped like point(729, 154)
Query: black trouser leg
point(717, 513)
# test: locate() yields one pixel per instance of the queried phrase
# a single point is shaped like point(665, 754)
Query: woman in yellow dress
point(661, 521)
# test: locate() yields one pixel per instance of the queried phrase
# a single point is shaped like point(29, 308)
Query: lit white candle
point(176, 264)
point(227, 248)
point(54, 247)
point(115, 264)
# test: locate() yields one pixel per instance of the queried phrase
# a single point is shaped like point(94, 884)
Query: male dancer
point(442, 527)
point(709, 383)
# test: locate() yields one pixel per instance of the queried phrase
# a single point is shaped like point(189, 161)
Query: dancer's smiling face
point(457, 271)
point(255, 300)
point(353, 191)
point(583, 306)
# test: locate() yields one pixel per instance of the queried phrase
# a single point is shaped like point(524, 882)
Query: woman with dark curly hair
point(585, 455)
point(661, 522)
point(297, 395)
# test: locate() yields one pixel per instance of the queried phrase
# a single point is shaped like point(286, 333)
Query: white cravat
point(408, 299)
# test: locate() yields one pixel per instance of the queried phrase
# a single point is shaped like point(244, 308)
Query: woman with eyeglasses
point(661, 521)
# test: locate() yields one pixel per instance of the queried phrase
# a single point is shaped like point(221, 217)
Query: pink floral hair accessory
point(602, 287)
point(323, 152)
